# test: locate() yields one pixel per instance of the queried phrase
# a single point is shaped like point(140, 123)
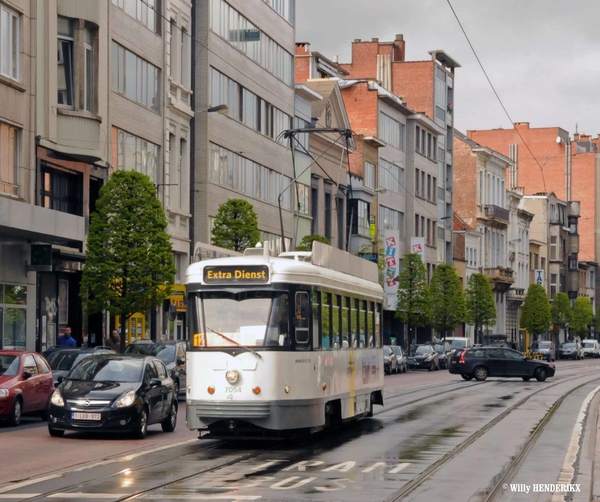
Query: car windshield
point(108, 370)
point(165, 352)
point(9, 365)
point(249, 319)
point(458, 344)
point(588, 345)
point(569, 346)
point(386, 350)
point(65, 360)
point(397, 350)
point(544, 345)
point(423, 349)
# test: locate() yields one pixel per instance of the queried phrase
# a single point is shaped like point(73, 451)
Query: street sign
point(539, 277)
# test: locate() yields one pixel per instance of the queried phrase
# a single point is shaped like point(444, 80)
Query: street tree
point(306, 242)
point(536, 315)
point(414, 300)
point(448, 305)
point(236, 226)
point(367, 250)
point(129, 264)
point(561, 310)
point(583, 315)
point(481, 309)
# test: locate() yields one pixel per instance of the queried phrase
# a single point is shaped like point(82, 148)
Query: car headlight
point(232, 376)
point(57, 399)
point(125, 400)
point(3, 392)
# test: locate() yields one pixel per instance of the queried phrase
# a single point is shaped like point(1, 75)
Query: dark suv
point(172, 353)
point(481, 362)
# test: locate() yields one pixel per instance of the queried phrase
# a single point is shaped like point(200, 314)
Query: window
point(65, 62)
point(391, 220)
point(13, 305)
point(326, 330)
point(146, 12)
point(9, 43)
point(285, 8)
point(9, 154)
point(303, 195)
point(417, 182)
point(553, 247)
point(358, 214)
point(182, 171)
point(186, 62)
point(314, 212)
point(391, 176)
point(137, 154)
point(336, 321)
point(391, 131)
point(302, 143)
point(135, 78)
point(553, 284)
point(61, 190)
point(251, 40)
point(417, 220)
point(369, 178)
point(328, 222)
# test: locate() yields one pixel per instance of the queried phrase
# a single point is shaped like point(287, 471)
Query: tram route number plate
point(86, 416)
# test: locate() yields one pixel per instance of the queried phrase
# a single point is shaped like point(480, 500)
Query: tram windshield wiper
point(234, 342)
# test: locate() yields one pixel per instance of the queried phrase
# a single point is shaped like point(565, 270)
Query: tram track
point(510, 471)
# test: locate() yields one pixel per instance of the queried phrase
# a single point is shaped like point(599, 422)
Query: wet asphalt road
point(438, 438)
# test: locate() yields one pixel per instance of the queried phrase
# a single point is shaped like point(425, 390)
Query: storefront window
point(13, 316)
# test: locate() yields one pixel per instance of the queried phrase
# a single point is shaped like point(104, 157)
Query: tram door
point(301, 316)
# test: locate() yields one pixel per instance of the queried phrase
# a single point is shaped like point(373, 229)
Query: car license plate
point(86, 416)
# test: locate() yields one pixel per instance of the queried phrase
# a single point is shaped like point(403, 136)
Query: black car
point(482, 362)
point(114, 393)
point(444, 350)
point(423, 356)
point(172, 353)
point(63, 361)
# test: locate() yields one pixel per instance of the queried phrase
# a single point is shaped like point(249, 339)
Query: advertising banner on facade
point(392, 267)
point(417, 246)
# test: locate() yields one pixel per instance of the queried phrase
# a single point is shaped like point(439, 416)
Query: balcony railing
point(497, 213)
point(515, 295)
point(499, 275)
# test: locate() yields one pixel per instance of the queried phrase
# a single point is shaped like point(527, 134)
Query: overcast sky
point(541, 55)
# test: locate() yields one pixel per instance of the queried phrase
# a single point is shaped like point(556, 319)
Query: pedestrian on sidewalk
point(66, 340)
point(114, 341)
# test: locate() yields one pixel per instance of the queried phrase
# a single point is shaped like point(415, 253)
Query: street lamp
point(220, 109)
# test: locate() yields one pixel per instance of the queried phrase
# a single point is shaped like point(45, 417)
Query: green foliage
point(414, 300)
point(448, 303)
point(367, 249)
point(583, 315)
point(129, 266)
point(561, 310)
point(236, 226)
point(307, 240)
point(536, 310)
point(481, 309)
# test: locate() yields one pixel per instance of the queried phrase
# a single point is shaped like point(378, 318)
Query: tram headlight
point(232, 376)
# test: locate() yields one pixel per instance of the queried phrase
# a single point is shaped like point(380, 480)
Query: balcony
point(497, 215)
point(516, 295)
point(501, 278)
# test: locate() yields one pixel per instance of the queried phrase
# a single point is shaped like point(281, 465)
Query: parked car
point(570, 350)
point(400, 357)
point(63, 361)
point(423, 356)
point(25, 385)
point(546, 348)
point(172, 353)
point(590, 348)
point(459, 342)
point(483, 362)
point(390, 361)
point(444, 350)
point(114, 393)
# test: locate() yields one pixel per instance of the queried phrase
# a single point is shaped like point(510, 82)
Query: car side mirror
point(26, 375)
point(60, 380)
point(155, 382)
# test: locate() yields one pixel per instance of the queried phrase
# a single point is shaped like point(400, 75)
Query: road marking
point(28, 482)
point(398, 468)
point(19, 496)
point(567, 473)
point(87, 496)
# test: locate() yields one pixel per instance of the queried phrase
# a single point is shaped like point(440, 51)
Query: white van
point(590, 348)
point(459, 342)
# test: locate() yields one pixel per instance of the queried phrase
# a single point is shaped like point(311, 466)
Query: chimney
point(336, 59)
point(357, 40)
point(399, 49)
point(374, 40)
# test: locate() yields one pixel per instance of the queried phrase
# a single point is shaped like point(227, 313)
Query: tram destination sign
point(232, 274)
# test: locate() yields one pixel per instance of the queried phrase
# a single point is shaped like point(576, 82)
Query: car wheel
point(466, 377)
point(142, 427)
point(431, 367)
point(405, 368)
point(14, 418)
point(540, 374)
point(55, 433)
point(480, 373)
point(526, 379)
point(169, 424)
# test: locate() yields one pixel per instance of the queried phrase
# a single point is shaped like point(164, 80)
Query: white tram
point(282, 344)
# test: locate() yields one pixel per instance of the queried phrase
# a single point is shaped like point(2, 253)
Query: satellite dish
point(559, 140)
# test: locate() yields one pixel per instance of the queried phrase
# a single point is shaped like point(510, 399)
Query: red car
point(25, 385)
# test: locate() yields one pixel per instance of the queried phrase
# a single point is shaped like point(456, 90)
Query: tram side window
point(363, 324)
point(345, 323)
point(371, 324)
point(301, 317)
point(335, 321)
point(326, 319)
point(316, 317)
point(354, 322)
point(377, 325)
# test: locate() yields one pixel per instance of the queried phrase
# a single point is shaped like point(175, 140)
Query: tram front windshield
point(251, 319)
